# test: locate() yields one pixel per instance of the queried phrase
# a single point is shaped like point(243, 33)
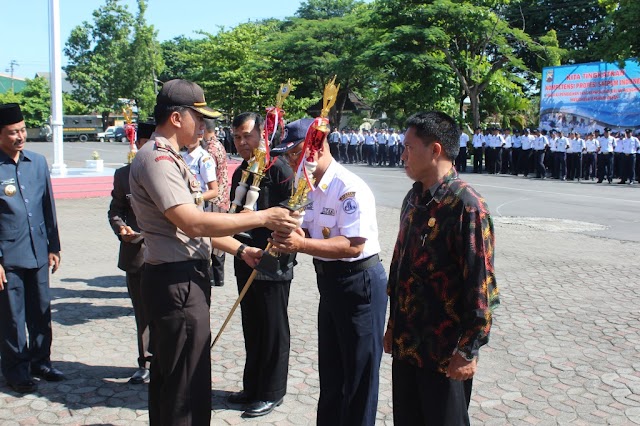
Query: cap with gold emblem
point(10, 114)
point(185, 93)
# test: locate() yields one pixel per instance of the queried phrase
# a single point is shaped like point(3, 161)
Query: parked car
point(112, 134)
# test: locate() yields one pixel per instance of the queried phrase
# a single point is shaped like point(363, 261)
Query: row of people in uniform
point(570, 156)
point(382, 147)
point(435, 356)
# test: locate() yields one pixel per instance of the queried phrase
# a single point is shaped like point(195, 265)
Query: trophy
point(272, 262)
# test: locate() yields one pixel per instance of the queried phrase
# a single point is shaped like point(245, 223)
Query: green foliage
point(621, 39)
point(34, 101)
point(109, 62)
point(325, 9)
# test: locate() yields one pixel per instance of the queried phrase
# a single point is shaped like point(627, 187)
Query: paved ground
point(564, 349)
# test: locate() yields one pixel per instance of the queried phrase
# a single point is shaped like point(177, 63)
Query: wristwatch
point(240, 250)
point(464, 355)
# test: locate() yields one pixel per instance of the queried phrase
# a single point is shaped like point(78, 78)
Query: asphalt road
point(603, 210)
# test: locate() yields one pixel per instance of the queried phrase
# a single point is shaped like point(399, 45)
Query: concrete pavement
point(563, 350)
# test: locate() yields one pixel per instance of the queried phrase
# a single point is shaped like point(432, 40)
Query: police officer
point(131, 255)
point(265, 322)
point(176, 285)
point(342, 237)
point(29, 245)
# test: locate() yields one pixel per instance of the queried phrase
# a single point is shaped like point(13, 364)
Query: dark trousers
point(343, 153)
point(477, 159)
point(134, 287)
point(424, 397)
point(369, 152)
point(541, 172)
point(177, 298)
point(497, 160)
point(629, 167)
point(265, 326)
point(25, 304)
point(560, 165)
point(461, 160)
point(382, 154)
point(350, 329)
point(524, 160)
point(618, 164)
point(217, 269)
point(506, 161)
point(490, 160)
point(393, 150)
point(335, 150)
point(515, 160)
point(574, 165)
point(605, 166)
point(590, 165)
point(352, 152)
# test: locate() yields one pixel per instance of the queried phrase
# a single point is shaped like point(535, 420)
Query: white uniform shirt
point(382, 138)
point(478, 140)
point(201, 165)
point(527, 142)
point(607, 144)
point(393, 139)
point(369, 140)
point(561, 144)
point(517, 141)
point(464, 139)
point(496, 141)
point(353, 139)
point(508, 141)
point(540, 143)
point(577, 145)
point(630, 145)
point(344, 140)
point(592, 145)
point(618, 147)
point(343, 204)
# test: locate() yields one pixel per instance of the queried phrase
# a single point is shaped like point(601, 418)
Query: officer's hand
point(292, 242)
point(54, 261)
point(460, 368)
point(387, 340)
point(251, 256)
point(3, 278)
point(281, 220)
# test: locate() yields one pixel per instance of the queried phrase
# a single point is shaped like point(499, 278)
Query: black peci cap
point(10, 114)
point(145, 130)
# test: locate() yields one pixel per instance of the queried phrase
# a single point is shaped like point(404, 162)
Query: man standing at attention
point(342, 237)
point(265, 322)
point(442, 286)
point(131, 257)
point(29, 246)
point(176, 289)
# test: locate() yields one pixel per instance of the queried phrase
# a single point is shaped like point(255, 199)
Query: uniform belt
point(338, 267)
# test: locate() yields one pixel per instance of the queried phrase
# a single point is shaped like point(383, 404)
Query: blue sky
point(24, 29)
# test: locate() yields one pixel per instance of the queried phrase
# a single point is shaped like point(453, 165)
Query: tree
point(621, 39)
point(468, 37)
point(313, 51)
point(324, 9)
point(182, 58)
point(108, 62)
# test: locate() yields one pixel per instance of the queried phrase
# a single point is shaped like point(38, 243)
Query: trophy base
point(275, 266)
point(298, 207)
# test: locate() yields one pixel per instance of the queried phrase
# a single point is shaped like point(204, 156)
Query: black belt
point(339, 267)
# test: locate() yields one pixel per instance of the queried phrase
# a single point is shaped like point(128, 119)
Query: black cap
point(187, 94)
point(10, 114)
point(628, 130)
point(145, 129)
point(293, 135)
point(597, 130)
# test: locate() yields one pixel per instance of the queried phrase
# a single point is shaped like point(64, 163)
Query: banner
point(586, 97)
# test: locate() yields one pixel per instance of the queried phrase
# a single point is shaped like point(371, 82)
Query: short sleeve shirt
point(157, 184)
point(202, 166)
point(343, 205)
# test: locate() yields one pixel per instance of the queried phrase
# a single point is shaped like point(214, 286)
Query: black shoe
point(141, 376)
point(28, 386)
point(50, 374)
point(215, 284)
point(261, 408)
point(238, 398)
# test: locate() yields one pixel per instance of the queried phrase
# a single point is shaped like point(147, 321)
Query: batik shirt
point(219, 155)
point(442, 286)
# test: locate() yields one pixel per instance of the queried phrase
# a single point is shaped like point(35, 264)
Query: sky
point(24, 29)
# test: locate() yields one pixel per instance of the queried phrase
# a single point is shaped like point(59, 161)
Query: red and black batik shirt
point(442, 285)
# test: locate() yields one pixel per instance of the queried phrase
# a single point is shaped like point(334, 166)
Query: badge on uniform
point(10, 190)
point(326, 232)
point(432, 222)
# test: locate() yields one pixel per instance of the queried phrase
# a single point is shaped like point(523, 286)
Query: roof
point(6, 82)
point(66, 86)
point(354, 103)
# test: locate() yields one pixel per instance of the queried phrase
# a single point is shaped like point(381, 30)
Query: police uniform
point(28, 233)
point(265, 322)
point(175, 288)
point(478, 142)
point(591, 158)
point(605, 158)
point(539, 145)
point(353, 300)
